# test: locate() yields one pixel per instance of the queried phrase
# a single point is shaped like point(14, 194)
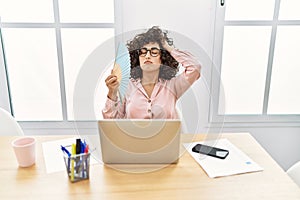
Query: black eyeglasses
point(154, 52)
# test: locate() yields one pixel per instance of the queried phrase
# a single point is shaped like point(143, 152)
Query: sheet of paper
point(53, 154)
point(236, 162)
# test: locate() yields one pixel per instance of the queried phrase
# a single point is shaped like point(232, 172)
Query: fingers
point(112, 82)
point(111, 78)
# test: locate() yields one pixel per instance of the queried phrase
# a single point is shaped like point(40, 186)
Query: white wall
point(190, 23)
point(172, 15)
point(282, 143)
point(195, 19)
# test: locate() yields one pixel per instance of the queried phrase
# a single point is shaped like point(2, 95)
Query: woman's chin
point(150, 67)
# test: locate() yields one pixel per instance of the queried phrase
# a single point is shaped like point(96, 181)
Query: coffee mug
point(24, 148)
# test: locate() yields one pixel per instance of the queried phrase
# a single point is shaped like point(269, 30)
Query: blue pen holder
point(78, 166)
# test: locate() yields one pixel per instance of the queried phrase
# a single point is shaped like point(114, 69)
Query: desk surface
point(185, 180)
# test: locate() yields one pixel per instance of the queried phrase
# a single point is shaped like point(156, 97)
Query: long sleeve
point(113, 109)
point(191, 73)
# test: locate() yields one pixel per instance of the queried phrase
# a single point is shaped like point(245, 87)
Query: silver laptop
point(139, 141)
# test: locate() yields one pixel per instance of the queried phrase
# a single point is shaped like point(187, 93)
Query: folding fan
point(122, 69)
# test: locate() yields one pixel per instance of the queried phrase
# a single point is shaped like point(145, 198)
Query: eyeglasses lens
point(154, 52)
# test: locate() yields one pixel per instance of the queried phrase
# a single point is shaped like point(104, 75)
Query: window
point(256, 45)
point(32, 66)
point(44, 44)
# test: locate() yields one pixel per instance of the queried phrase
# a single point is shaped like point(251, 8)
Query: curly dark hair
point(169, 66)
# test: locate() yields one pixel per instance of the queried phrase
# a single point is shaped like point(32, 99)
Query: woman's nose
point(148, 54)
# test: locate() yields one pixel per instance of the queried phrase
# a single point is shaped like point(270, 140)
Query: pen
point(86, 148)
point(82, 158)
point(69, 155)
point(78, 146)
point(79, 159)
point(82, 146)
point(65, 150)
point(72, 161)
point(86, 151)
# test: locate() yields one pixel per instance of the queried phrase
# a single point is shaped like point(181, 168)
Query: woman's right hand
point(112, 84)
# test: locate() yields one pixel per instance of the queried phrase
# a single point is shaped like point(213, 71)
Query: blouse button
point(116, 104)
point(149, 110)
point(149, 100)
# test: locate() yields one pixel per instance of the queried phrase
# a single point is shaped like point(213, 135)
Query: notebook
point(139, 141)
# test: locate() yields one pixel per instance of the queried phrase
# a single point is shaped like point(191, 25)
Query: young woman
point(154, 88)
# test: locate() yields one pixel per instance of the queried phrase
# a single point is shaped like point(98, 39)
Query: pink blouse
point(162, 102)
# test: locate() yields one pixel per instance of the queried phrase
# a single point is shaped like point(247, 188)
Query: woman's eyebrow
point(150, 48)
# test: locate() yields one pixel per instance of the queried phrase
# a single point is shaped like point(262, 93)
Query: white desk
point(185, 180)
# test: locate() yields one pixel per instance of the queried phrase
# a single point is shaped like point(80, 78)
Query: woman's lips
point(147, 62)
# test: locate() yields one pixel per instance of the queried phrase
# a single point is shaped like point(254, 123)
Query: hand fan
point(122, 69)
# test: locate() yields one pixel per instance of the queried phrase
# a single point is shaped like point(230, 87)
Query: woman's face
point(150, 57)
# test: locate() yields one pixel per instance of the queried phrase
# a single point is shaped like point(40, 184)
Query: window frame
point(243, 120)
point(52, 127)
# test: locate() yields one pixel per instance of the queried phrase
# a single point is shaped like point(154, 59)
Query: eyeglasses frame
point(150, 50)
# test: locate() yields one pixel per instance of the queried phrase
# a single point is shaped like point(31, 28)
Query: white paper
point(236, 162)
point(53, 154)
